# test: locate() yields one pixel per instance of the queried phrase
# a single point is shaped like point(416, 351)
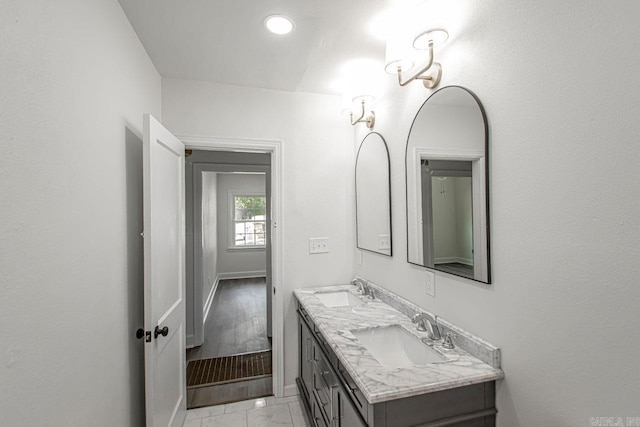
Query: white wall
point(558, 84)
point(74, 83)
point(237, 261)
point(210, 238)
point(318, 167)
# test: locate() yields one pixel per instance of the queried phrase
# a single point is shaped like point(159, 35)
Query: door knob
point(141, 333)
point(164, 332)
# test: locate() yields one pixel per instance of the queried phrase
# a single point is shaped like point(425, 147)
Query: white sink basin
point(393, 347)
point(339, 299)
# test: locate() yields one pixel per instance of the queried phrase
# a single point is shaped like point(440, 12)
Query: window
point(249, 220)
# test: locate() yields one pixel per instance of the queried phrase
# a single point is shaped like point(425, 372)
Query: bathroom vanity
point(363, 363)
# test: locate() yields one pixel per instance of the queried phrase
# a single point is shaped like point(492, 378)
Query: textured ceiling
point(226, 41)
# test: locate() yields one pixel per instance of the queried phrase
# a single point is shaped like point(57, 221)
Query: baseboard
point(209, 302)
point(465, 261)
point(445, 260)
point(242, 275)
point(290, 390)
point(451, 260)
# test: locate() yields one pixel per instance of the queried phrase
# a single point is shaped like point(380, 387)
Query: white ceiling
point(226, 41)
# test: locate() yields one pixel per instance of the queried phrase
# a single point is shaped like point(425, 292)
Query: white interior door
point(164, 276)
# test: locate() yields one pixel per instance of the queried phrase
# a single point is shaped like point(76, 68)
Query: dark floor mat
point(228, 369)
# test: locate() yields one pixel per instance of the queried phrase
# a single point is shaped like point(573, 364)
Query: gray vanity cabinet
point(325, 398)
point(332, 399)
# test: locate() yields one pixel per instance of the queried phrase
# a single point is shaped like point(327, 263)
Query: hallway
point(237, 324)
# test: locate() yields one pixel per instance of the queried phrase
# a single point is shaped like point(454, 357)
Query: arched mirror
point(447, 180)
point(373, 195)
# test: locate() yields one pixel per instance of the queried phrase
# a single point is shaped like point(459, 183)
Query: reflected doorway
point(448, 216)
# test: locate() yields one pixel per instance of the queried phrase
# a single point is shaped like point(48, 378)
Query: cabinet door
point(306, 356)
point(354, 392)
point(348, 415)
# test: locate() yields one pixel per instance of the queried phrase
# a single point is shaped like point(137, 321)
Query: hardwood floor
point(237, 323)
point(456, 268)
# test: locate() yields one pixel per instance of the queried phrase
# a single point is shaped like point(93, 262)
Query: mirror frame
point(486, 183)
point(386, 147)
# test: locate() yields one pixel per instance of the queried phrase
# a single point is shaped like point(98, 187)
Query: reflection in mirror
point(373, 195)
point(446, 165)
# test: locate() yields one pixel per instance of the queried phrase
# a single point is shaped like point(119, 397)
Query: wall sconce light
point(363, 117)
point(430, 73)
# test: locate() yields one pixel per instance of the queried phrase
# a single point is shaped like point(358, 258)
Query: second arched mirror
point(373, 196)
point(447, 202)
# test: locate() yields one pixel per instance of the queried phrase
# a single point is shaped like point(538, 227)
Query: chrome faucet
point(363, 287)
point(360, 286)
point(425, 321)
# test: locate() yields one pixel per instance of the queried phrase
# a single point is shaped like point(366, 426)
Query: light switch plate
point(318, 245)
point(430, 281)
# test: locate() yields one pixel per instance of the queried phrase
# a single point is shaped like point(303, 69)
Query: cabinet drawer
point(328, 379)
point(303, 313)
point(325, 345)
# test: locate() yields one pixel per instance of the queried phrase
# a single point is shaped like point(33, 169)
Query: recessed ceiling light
point(278, 24)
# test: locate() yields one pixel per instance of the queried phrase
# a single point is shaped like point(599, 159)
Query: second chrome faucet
point(427, 324)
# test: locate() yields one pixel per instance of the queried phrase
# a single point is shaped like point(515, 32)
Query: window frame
point(231, 221)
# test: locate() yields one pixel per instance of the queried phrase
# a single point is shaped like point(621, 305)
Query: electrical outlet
point(318, 245)
point(359, 257)
point(430, 281)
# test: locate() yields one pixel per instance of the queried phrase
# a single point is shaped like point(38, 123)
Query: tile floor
point(263, 412)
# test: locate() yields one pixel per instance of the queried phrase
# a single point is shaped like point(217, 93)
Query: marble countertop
point(377, 383)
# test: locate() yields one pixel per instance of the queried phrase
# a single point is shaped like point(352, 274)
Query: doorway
point(447, 216)
point(228, 225)
point(235, 161)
